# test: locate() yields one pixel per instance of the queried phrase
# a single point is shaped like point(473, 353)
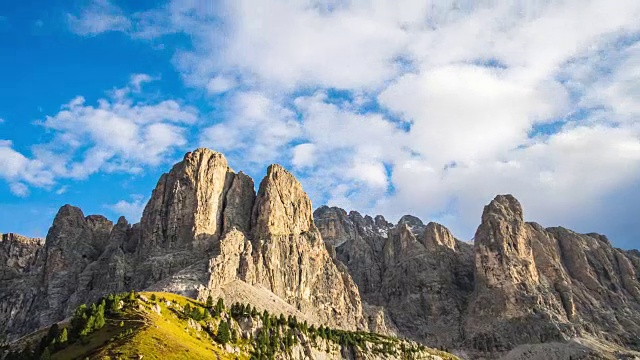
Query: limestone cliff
point(420, 275)
point(203, 228)
point(518, 284)
point(285, 254)
point(206, 231)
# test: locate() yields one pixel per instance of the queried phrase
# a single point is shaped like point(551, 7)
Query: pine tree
point(112, 304)
point(153, 297)
point(220, 306)
point(209, 301)
point(132, 296)
point(62, 339)
point(223, 332)
point(100, 321)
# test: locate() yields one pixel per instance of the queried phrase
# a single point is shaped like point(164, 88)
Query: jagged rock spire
point(281, 207)
point(186, 207)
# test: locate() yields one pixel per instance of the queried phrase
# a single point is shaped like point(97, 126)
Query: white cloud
point(445, 105)
point(19, 189)
point(138, 79)
point(116, 135)
point(100, 16)
point(2, 120)
point(15, 167)
point(304, 155)
point(220, 84)
point(257, 127)
point(132, 210)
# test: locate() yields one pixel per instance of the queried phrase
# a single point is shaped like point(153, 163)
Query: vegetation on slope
point(169, 326)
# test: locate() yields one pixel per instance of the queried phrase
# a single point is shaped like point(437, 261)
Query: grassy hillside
point(169, 326)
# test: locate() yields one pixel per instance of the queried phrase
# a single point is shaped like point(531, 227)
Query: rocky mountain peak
point(436, 235)
point(205, 231)
point(68, 215)
point(335, 222)
point(410, 220)
point(414, 224)
point(381, 222)
point(505, 207)
point(281, 206)
point(18, 254)
point(186, 207)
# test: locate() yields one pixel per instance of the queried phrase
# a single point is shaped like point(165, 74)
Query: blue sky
point(431, 108)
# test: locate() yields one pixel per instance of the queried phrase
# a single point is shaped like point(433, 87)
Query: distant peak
point(504, 206)
point(200, 152)
point(410, 220)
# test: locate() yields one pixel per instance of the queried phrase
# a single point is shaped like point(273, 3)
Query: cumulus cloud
point(19, 189)
point(427, 108)
point(130, 209)
point(100, 16)
point(256, 127)
point(220, 84)
point(117, 134)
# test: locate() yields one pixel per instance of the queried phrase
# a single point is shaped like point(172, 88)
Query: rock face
point(420, 275)
point(186, 207)
point(285, 254)
point(20, 269)
point(205, 231)
point(518, 284)
point(203, 228)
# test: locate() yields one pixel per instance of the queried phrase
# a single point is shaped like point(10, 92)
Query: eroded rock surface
point(519, 283)
point(203, 228)
point(420, 275)
point(206, 231)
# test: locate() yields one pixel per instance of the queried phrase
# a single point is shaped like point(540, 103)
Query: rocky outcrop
point(419, 275)
point(285, 254)
point(538, 285)
point(73, 242)
point(203, 228)
point(20, 269)
point(282, 207)
point(519, 283)
point(18, 254)
point(509, 299)
point(186, 207)
point(206, 231)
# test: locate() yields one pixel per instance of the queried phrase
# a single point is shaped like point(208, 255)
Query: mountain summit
point(205, 232)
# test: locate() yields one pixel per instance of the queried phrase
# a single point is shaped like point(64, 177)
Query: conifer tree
point(100, 321)
point(62, 339)
point(220, 306)
point(209, 301)
point(223, 332)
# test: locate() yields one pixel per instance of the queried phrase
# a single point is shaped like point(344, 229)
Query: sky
point(428, 108)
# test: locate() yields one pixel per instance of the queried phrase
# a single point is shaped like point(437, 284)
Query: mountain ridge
point(206, 232)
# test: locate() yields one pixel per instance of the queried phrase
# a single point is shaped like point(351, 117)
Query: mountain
point(518, 284)
point(518, 290)
point(204, 232)
point(156, 325)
